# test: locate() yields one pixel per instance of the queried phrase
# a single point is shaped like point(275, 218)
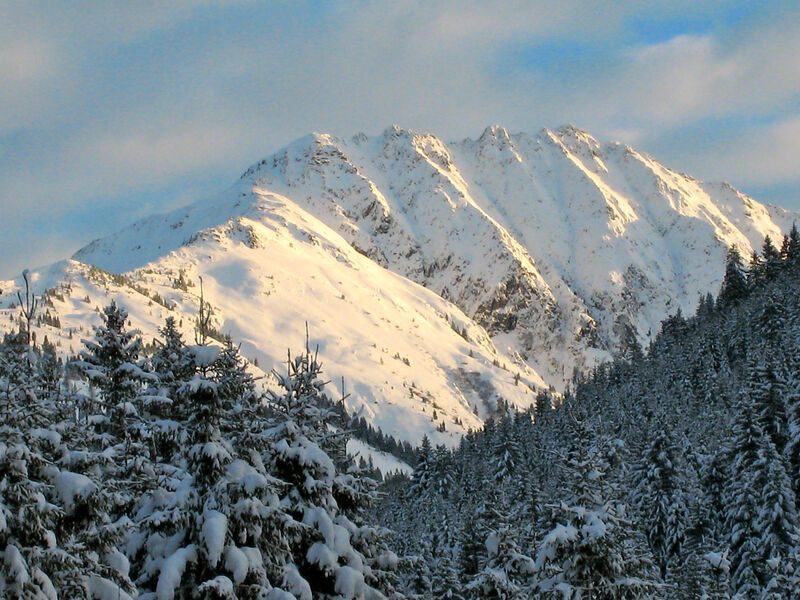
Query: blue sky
point(113, 111)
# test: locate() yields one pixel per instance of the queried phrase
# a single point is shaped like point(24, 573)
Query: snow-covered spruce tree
point(431, 485)
point(734, 284)
point(215, 528)
point(110, 363)
point(771, 259)
point(446, 583)
point(415, 573)
point(761, 518)
point(529, 510)
point(234, 379)
point(90, 527)
point(17, 376)
point(335, 553)
point(593, 551)
point(658, 500)
point(767, 390)
point(49, 373)
point(443, 478)
point(56, 535)
point(771, 318)
point(709, 509)
point(506, 570)
point(506, 453)
point(171, 362)
point(714, 576)
point(777, 523)
point(790, 251)
point(471, 545)
point(31, 377)
point(423, 476)
point(173, 366)
point(33, 566)
point(792, 451)
point(113, 411)
point(429, 570)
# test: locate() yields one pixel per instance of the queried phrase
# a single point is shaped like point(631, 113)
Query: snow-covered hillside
point(435, 277)
point(555, 243)
point(411, 362)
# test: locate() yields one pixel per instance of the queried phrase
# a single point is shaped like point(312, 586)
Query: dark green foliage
point(734, 284)
point(708, 459)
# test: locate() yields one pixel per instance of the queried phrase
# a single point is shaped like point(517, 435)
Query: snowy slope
point(544, 250)
point(410, 360)
point(556, 244)
point(385, 463)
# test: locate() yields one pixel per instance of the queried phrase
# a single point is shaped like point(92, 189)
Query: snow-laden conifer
point(335, 552)
point(594, 550)
point(214, 527)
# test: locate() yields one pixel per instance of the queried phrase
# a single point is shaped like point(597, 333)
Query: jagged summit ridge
point(558, 244)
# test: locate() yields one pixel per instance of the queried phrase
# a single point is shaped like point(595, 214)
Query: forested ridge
point(670, 473)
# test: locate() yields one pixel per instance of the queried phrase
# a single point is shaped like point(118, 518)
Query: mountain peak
point(494, 132)
point(395, 131)
point(577, 139)
point(569, 129)
point(548, 251)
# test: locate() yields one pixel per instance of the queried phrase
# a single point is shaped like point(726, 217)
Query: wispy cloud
point(108, 107)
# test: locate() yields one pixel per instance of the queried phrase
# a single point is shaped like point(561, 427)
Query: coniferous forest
point(672, 472)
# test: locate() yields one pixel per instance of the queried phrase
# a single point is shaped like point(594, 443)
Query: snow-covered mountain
point(434, 273)
point(411, 362)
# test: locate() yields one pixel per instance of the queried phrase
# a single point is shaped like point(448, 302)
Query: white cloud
point(768, 154)
point(111, 100)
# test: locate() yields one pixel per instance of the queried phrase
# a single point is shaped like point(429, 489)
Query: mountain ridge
point(388, 195)
point(542, 253)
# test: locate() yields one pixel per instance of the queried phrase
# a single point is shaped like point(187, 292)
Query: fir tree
point(734, 283)
point(216, 530)
point(792, 451)
point(771, 259)
point(170, 362)
point(507, 568)
point(767, 391)
point(424, 469)
point(110, 362)
point(335, 552)
point(658, 499)
point(593, 551)
point(791, 254)
point(761, 516)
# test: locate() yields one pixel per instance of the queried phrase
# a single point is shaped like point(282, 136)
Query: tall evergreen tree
point(658, 498)
point(761, 516)
point(335, 552)
point(734, 283)
point(215, 529)
point(767, 391)
point(507, 569)
point(792, 450)
point(771, 259)
point(593, 551)
point(110, 363)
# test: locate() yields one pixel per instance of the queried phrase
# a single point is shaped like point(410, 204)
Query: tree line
point(670, 472)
